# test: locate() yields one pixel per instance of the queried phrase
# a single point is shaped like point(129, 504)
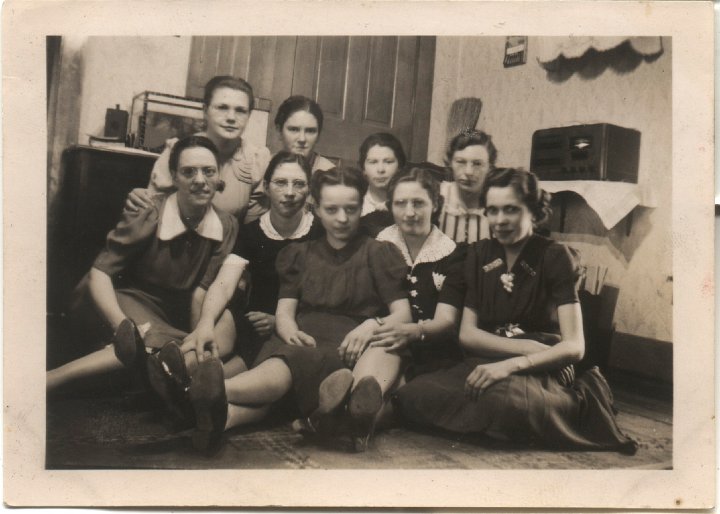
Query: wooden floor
point(124, 428)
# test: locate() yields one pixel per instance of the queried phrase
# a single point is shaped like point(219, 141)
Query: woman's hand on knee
point(355, 342)
point(485, 375)
point(300, 338)
point(201, 340)
point(395, 336)
point(262, 322)
point(137, 199)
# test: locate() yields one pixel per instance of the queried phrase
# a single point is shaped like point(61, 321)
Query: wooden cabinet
point(364, 84)
point(95, 184)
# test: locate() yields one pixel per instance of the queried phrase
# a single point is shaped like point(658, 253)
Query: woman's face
point(509, 218)
point(412, 209)
point(469, 167)
point(228, 114)
point(197, 177)
point(379, 166)
point(339, 211)
point(300, 133)
point(288, 189)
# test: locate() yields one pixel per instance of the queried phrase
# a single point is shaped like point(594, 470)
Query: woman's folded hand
point(485, 375)
point(300, 338)
point(395, 336)
point(355, 342)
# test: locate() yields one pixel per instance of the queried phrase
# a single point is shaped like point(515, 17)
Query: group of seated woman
point(240, 284)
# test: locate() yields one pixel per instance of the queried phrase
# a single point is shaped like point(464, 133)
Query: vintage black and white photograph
point(350, 252)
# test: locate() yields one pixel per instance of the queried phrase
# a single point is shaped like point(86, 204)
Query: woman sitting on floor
point(514, 383)
point(434, 281)
point(334, 292)
point(167, 254)
point(381, 156)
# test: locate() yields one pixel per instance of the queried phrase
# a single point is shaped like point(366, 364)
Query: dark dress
point(336, 291)
point(156, 264)
point(435, 277)
point(260, 244)
point(535, 407)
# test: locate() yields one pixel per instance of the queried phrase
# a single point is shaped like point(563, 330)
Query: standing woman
point(299, 122)
point(228, 102)
point(334, 292)
point(470, 155)
point(434, 281)
point(381, 156)
point(513, 384)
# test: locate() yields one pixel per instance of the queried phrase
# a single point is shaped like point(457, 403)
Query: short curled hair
point(471, 138)
point(526, 187)
point(427, 181)
point(190, 142)
point(285, 157)
point(345, 176)
point(295, 104)
point(382, 139)
point(228, 81)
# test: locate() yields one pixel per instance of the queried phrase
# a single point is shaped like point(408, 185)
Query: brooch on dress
point(492, 265)
point(524, 265)
point(438, 279)
point(506, 279)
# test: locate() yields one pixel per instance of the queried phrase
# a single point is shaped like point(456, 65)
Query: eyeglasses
point(192, 171)
point(281, 183)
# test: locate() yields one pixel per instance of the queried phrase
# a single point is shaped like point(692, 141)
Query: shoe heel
point(127, 343)
point(365, 403)
point(208, 399)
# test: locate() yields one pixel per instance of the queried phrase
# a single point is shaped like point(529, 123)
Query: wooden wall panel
point(305, 65)
point(262, 65)
point(330, 82)
point(382, 70)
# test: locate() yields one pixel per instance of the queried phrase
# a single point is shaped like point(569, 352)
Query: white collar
point(453, 204)
point(302, 229)
point(436, 246)
point(370, 205)
point(171, 224)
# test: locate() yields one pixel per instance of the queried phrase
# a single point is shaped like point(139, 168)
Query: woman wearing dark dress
point(334, 292)
point(511, 386)
point(381, 156)
point(434, 280)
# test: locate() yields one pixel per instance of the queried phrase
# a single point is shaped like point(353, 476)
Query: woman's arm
point(287, 327)
point(103, 294)
point(476, 341)
point(396, 336)
point(569, 350)
point(208, 306)
point(357, 340)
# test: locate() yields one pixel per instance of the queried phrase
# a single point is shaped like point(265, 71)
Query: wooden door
point(364, 84)
point(367, 84)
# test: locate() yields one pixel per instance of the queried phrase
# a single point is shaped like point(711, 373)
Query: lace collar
point(370, 205)
point(303, 228)
point(171, 224)
point(437, 245)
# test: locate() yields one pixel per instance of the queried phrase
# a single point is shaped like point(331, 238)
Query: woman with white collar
point(434, 282)
point(470, 155)
point(168, 254)
point(381, 157)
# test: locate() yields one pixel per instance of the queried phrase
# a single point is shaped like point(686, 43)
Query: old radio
point(586, 152)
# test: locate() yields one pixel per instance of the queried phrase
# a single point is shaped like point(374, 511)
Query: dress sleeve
point(290, 264)
point(241, 243)
point(561, 272)
point(221, 250)
point(160, 178)
point(472, 263)
point(259, 203)
point(128, 239)
point(454, 287)
point(388, 270)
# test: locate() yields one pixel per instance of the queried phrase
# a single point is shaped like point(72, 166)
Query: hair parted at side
point(296, 103)
point(526, 187)
point(230, 82)
point(427, 181)
point(345, 176)
point(382, 139)
point(190, 142)
point(471, 138)
point(285, 157)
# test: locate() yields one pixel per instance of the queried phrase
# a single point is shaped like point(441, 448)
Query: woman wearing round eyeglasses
point(228, 102)
point(169, 253)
